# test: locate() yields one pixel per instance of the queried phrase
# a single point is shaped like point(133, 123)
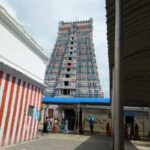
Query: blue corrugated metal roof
point(76, 100)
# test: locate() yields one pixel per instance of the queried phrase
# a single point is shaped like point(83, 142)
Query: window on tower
point(72, 43)
point(66, 83)
point(68, 69)
point(70, 58)
point(68, 91)
point(67, 75)
point(65, 92)
point(70, 52)
point(69, 64)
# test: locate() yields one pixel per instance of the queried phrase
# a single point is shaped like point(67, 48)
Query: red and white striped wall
point(16, 95)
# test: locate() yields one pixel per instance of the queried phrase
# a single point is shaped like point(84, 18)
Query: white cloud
point(41, 18)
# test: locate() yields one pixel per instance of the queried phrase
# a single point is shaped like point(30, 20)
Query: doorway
point(129, 119)
point(70, 115)
point(50, 113)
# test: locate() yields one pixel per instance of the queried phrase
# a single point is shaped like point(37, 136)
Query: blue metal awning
point(76, 100)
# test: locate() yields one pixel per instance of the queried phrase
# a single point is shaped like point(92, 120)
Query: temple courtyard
point(75, 142)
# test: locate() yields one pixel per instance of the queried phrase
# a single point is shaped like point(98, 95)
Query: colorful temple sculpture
point(22, 68)
point(72, 69)
point(72, 73)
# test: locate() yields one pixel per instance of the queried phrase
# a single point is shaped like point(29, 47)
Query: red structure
point(21, 82)
point(17, 96)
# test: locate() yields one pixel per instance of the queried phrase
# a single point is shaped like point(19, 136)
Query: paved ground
point(141, 145)
point(70, 142)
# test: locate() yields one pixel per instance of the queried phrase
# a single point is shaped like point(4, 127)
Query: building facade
point(102, 115)
point(72, 69)
point(22, 68)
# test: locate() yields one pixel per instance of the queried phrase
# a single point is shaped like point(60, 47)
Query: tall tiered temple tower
point(72, 69)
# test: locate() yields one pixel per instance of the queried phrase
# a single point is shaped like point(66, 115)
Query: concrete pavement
point(69, 142)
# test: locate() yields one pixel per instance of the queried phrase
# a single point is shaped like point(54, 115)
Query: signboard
point(91, 117)
point(53, 106)
point(36, 114)
point(130, 113)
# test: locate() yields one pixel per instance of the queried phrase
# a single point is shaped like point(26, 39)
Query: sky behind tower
point(40, 19)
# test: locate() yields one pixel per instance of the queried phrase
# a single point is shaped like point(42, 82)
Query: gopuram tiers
point(72, 69)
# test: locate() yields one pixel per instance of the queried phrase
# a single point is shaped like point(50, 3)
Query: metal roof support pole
point(143, 124)
point(78, 118)
point(118, 101)
point(113, 105)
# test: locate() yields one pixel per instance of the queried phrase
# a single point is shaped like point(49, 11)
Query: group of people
point(134, 131)
point(53, 125)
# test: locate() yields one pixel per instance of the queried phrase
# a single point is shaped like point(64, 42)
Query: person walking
point(45, 126)
point(108, 132)
point(91, 122)
point(66, 126)
point(62, 124)
point(132, 131)
point(55, 126)
point(137, 137)
point(126, 132)
point(51, 123)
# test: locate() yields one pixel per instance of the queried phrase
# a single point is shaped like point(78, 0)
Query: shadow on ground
point(72, 142)
point(96, 142)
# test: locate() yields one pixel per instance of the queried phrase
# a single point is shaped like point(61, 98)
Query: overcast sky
point(40, 19)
